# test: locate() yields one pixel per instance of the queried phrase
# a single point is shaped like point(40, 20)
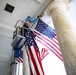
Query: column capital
point(58, 4)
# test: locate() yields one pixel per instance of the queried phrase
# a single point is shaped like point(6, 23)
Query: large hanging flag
point(47, 37)
point(33, 54)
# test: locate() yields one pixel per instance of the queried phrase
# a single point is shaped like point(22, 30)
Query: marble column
point(65, 32)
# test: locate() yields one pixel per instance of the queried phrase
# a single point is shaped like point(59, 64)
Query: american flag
point(47, 37)
point(43, 53)
point(17, 65)
point(19, 56)
point(33, 54)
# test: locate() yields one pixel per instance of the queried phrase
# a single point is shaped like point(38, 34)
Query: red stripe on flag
point(19, 60)
point(44, 56)
point(31, 71)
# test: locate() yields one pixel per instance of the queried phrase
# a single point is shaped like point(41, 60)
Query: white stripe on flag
point(20, 69)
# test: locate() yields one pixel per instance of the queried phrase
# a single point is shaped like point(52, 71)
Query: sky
point(51, 64)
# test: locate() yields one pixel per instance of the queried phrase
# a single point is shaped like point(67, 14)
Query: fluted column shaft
point(65, 33)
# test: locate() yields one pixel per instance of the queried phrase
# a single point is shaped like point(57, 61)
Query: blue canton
point(18, 53)
point(45, 29)
point(30, 35)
